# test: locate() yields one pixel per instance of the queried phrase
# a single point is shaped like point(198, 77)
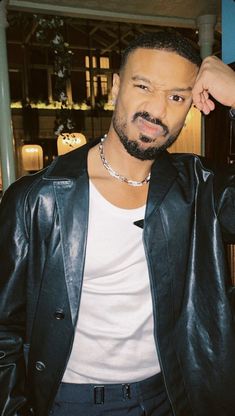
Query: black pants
point(144, 398)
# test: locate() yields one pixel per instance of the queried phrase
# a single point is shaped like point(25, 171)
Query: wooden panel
point(231, 259)
point(189, 140)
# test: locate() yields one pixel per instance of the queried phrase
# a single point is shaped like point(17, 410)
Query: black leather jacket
point(43, 228)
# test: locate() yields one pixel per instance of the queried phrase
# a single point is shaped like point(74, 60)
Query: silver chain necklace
point(116, 175)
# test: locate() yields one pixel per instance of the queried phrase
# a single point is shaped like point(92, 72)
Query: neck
point(123, 163)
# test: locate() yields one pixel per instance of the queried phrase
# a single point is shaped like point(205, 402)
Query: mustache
point(146, 116)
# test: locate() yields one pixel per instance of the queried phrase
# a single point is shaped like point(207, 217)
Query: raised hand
point(214, 79)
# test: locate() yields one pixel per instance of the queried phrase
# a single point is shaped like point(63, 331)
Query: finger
point(197, 96)
point(203, 99)
point(198, 101)
point(211, 104)
point(205, 95)
point(198, 105)
point(206, 107)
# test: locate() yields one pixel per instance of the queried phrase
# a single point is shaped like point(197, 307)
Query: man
point(113, 268)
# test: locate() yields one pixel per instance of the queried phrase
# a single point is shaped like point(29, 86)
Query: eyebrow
point(140, 78)
point(177, 89)
point(181, 89)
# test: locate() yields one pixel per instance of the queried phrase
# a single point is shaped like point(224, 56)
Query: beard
point(133, 147)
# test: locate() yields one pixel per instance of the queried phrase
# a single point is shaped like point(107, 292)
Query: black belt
point(103, 393)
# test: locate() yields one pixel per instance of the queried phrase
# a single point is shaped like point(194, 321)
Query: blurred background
point(57, 59)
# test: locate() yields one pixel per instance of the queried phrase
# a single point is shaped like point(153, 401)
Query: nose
point(156, 105)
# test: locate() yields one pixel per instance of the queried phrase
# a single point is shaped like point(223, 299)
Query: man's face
point(153, 96)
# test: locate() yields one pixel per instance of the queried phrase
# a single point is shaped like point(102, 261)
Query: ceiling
point(176, 13)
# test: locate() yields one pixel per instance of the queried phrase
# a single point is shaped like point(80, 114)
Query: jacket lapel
point(72, 199)
point(162, 177)
point(71, 188)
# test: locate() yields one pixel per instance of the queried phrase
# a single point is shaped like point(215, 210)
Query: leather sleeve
point(226, 216)
point(225, 204)
point(13, 271)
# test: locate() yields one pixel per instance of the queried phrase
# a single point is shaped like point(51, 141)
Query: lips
point(149, 129)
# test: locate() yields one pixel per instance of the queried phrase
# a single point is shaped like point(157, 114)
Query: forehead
point(160, 66)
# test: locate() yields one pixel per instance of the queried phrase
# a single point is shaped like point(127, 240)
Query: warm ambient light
point(67, 142)
point(55, 105)
point(32, 157)
point(31, 150)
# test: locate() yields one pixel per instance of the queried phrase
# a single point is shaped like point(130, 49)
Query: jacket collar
point(163, 175)
point(72, 165)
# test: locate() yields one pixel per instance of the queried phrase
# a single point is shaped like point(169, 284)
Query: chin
point(143, 150)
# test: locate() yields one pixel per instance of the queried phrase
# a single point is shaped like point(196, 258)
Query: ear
point(116, 86)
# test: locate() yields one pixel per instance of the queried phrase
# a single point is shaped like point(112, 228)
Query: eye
point(177, 98)
point(141, 86)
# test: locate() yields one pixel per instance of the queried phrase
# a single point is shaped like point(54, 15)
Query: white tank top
point(114, 340)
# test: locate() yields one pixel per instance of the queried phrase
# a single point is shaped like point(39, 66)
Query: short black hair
point(163, 40)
